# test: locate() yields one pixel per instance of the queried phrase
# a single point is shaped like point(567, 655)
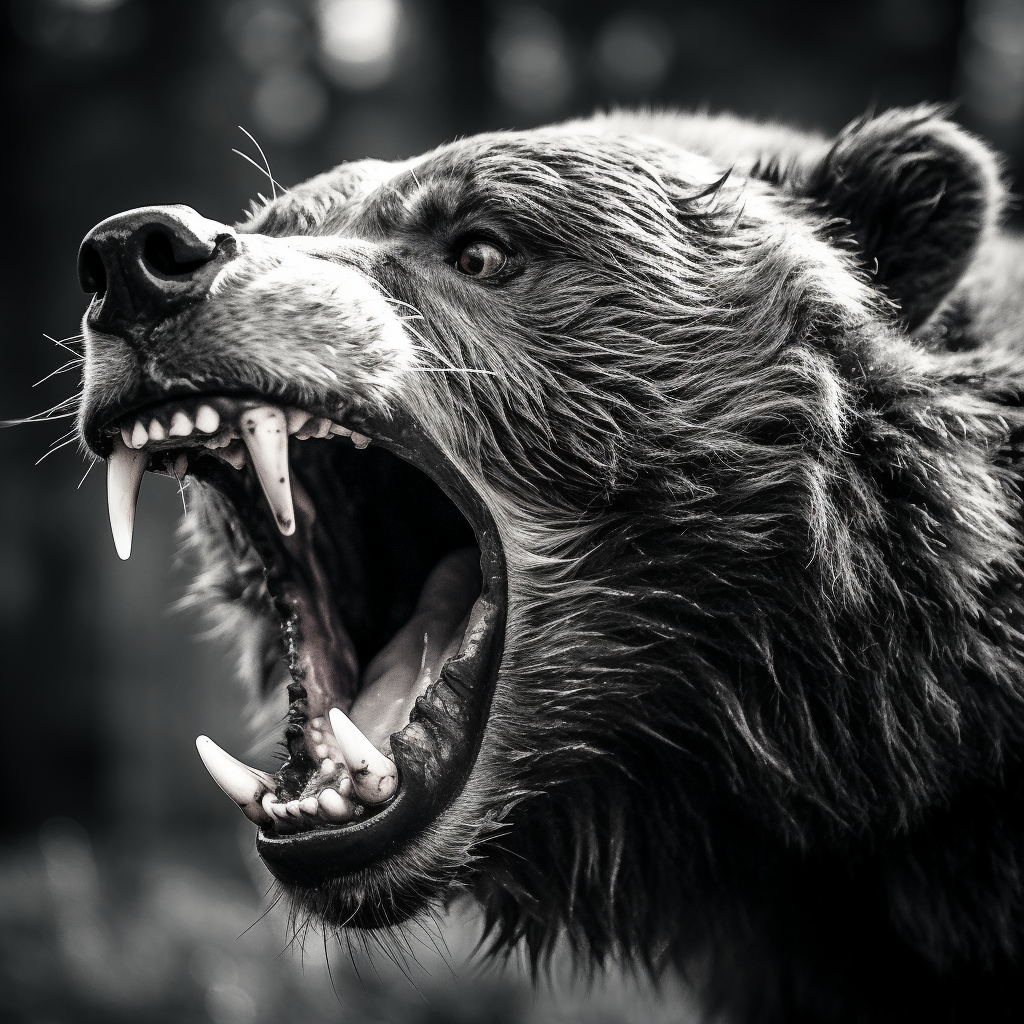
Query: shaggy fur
point(749, 427)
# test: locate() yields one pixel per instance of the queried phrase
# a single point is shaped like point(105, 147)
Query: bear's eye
point(481, 259)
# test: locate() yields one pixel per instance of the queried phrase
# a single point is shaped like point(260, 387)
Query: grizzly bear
point(620, 522)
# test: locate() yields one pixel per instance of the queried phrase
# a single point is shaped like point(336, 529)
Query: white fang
point(124, 478)
point(374, 775)
point(245, 785)
point(265, 433)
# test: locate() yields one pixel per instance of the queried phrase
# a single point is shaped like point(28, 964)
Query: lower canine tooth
point(265, 434)
point(245, 785)
point(374, 775)
point(124, 478)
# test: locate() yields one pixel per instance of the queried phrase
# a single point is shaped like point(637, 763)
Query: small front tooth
point(125, 468)
point(337, 428)
point(181, 425)
point(296, 419)
point(360, 440)
point(309, 805)
point(139, 435)
point(374, 776)
point(265, 434)
point(335, 807)
point(207, 419)
point(245, 785)
point(156, 430)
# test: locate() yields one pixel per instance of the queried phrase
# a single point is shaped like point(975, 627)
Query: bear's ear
point(918, 194)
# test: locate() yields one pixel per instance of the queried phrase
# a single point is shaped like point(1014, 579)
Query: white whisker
point(87, 472)
point(274, 185)
point(57, 447)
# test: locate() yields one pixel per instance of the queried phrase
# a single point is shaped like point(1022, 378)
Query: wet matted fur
point(743, 407)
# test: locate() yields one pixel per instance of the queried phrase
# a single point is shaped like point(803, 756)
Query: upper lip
point(435, 752)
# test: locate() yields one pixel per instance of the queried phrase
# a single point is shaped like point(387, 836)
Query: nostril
point(91, 272)
point(158, 255)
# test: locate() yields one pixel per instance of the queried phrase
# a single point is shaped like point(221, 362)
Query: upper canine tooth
point(245, 785)
point(139, 435)
point(265, 433)
point(181, 425)
point(156, 430)
point(374, 776)
point(207, 419)
point(126, 436)
point(124, 478)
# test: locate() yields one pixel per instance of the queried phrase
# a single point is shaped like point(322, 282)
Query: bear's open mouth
point(385, 568)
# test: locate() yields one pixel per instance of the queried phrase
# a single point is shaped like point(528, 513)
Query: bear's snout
point(147, 264)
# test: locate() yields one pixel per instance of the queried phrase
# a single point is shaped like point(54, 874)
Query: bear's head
point(608, 478)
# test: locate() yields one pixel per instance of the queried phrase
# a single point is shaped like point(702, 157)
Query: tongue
point(413, 658)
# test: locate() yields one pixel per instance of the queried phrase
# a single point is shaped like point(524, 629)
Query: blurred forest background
point(126, 878)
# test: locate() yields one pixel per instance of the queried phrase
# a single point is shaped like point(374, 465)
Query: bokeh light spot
point(359, 40)
point(289, 105)
point(633, 52)
point(531, 63)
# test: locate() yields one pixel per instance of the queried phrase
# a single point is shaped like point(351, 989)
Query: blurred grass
point(113, 932)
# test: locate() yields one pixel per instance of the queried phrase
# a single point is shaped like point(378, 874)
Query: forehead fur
point(542, 178)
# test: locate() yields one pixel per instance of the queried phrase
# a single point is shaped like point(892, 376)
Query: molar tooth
point(374, 775)
point(296, 419)
point(245, 785)
point(181, 425)
point(335, 807)
point(140, 436)
point(360, 440)
point(207, 419)
point(124, 478)
point(156, 430)
point(320, 427)
point(265, 435)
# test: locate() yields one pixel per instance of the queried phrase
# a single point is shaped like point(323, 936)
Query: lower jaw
point(435, 752)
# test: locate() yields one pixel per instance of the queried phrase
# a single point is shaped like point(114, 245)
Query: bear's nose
point(147, 264)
